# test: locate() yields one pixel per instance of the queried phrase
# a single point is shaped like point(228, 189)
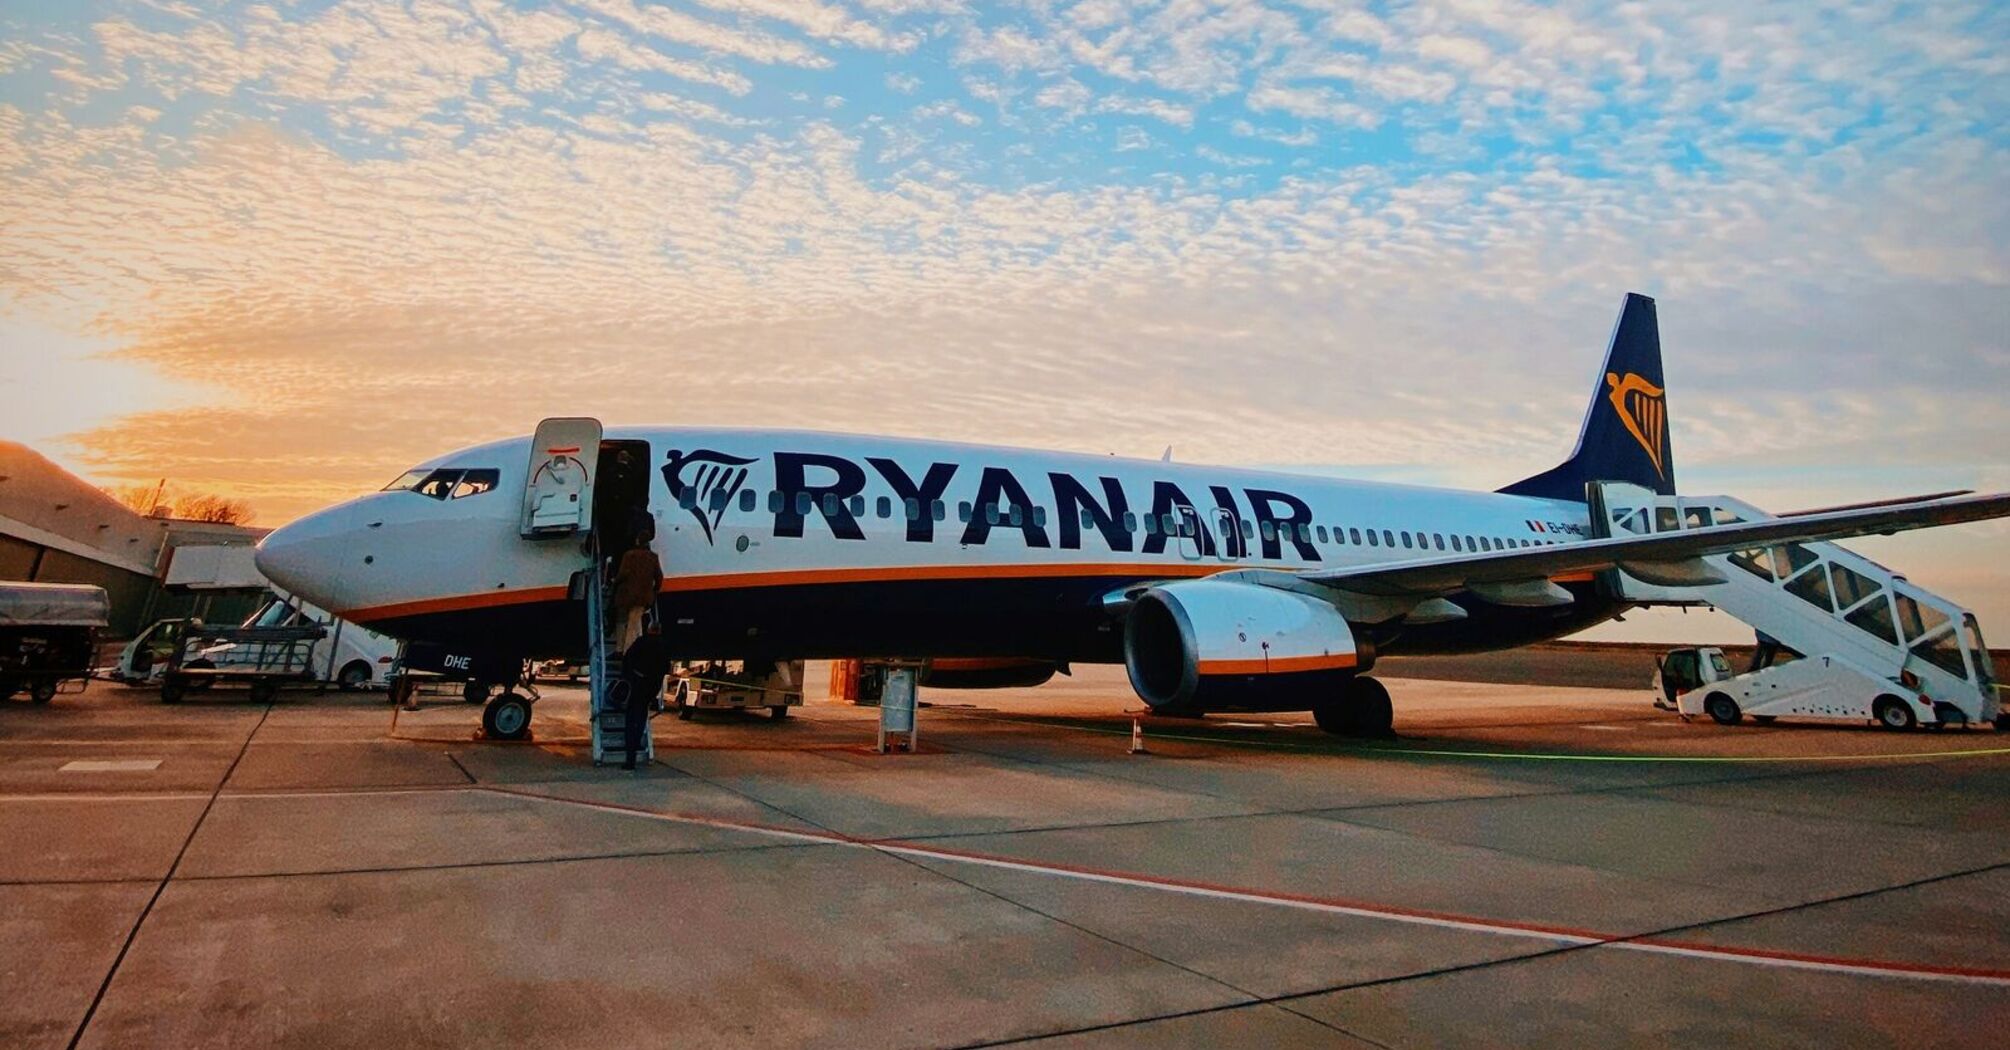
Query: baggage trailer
point(735, 685)
point(47, 635)
point(1821, 687)
point(261, 658)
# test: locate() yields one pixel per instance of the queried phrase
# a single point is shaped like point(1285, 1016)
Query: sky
point(284, 250)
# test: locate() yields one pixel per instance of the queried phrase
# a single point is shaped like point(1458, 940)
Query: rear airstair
point(1817, 599)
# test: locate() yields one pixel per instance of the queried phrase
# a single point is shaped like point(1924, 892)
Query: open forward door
point(558, 490)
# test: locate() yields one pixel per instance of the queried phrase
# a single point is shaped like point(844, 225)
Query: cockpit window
point(439, 484)
point(406, 481)
point(476, 482)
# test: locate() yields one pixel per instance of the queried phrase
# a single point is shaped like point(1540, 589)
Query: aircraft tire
point(264, 692)
point(172, 690)
point(507, 717)
point(475, 692)
point(42, 691)
point(1723, 710)
point(1369, 708)
point(1361, 709)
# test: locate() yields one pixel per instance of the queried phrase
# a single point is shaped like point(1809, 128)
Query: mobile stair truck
point(47, 634)
point(1876, 647)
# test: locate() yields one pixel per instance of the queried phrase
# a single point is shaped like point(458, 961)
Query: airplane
point(1220, 589)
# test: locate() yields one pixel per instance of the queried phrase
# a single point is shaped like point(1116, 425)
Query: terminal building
point(55, 527)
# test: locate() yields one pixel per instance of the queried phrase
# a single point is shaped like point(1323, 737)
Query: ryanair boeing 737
point(1220, 589)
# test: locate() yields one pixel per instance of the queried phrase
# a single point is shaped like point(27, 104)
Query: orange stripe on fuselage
point(813, 577)
point(1279, 664)
point(457, 603)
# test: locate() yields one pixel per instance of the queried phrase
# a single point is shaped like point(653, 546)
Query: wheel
point(42, 691)
point(507, 717)
point(684, 707)
point(197, 685)
point(778, 712)
point(172, 690)
point(264, 692)
point(1723, 710)
point(475, 692)
point(355, 675)
point(1361, 709)
point(1893, 713)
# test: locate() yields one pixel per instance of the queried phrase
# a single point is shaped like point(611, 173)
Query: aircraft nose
point(305, 557)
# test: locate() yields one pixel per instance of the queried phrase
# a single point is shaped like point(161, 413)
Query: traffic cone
point(1138, 736)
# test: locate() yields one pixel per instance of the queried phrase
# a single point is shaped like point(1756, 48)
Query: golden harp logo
point(1643, 407)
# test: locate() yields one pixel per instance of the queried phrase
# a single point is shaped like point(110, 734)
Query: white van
point(361, 657)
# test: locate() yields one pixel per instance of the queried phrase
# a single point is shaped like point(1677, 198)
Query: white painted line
point(112, 765)
point(1390, 913)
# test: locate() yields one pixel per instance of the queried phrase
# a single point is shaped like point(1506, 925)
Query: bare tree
point(158, 501)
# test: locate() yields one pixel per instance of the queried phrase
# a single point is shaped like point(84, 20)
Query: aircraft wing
point(1668, 552)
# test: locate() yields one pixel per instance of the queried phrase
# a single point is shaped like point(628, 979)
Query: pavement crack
point(133, 934)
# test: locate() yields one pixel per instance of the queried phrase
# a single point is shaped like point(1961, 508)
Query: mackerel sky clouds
point(287, 248)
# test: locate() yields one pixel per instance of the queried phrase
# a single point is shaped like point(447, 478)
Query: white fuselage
point(798, 544)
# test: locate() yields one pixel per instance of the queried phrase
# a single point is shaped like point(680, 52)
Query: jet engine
point(986, 673)
point(1217, 645)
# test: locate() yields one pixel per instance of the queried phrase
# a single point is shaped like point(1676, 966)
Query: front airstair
point(610, 715)
point(1814, 598)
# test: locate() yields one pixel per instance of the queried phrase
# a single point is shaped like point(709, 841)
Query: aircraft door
point(558, 486)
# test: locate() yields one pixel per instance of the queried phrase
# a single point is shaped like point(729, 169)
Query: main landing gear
point(1361, 709)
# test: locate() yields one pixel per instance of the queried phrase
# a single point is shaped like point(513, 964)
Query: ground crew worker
point(643, 666)
point(637, 580)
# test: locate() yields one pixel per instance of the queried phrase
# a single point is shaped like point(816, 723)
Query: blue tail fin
point(1625, 435)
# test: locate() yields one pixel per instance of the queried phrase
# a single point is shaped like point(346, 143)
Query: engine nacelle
point(1217, 645)
point(986, 673)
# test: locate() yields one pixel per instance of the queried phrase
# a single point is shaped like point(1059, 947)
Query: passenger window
point(1304, 533)
point(804, 504)
point(1371, 539)
point(832, 508)
point(718, 500)
point(991, 514)
point(1169, 523)
point(1438, 540)
point(747, 499)
point(963, 511)
point(1455, 543)
point(913, 508)
point(1322, 533)
point(1014, 516)
point(884, 507)
point(1470, 545)
point(688, 499)
point(1406, 540)
point(941, 510)
point(1040, 516)
point(1354, 536)
point(1269, 531)
point(439, 484)
point(774, 501)
point(858, 506)
point(1151, 524)
point(1130, 522)
point(476, 482)
point(1248, 529)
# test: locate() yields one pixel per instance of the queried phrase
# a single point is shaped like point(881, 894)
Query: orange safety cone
point(1138, 736)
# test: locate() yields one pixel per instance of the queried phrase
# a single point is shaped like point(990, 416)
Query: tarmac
point(1525, 864)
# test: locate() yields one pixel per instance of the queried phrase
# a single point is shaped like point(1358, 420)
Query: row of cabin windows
point(1169, 524)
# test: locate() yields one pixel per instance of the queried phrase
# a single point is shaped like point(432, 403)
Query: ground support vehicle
point(1825, 686)
point(721, 685)
point(261, 658)
point(47, 635)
